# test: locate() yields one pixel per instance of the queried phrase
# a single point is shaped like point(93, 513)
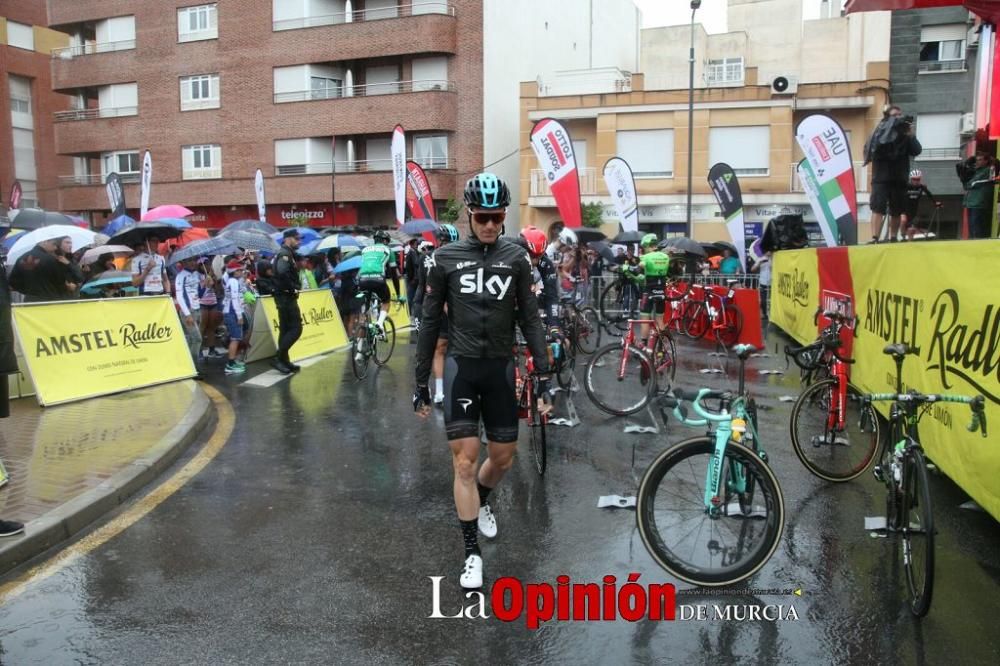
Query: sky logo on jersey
point(473, 283)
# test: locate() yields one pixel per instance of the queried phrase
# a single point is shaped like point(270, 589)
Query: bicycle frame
point(629, 339)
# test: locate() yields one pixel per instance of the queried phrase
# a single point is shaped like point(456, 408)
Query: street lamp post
point(695, 4)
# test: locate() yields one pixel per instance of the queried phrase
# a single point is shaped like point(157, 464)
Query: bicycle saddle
point(743, 351)
point(898, 350)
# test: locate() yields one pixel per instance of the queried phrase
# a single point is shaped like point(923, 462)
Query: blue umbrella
point(338, 240)
point(306, 235)
point(250, 240)
point(414, 227)
point(203, 248)
point(351, 264)
point(175, 222)
point(308, 249)
point(107, 278)
point(117, 224)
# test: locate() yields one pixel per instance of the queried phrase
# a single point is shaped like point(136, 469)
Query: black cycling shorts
point(653, 298)
point(377, 286)
point(480, 387)
point(888, 197)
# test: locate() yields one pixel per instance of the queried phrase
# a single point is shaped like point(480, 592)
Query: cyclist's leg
point(499, 410)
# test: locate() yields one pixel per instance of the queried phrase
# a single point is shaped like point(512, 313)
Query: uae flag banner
point(828, 156)
point(554, 150)
point(418, 194)
point(398, 152)
point(726, 188)
point(621, 184)
point(824, 216)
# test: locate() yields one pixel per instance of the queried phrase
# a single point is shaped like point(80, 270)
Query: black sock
point(470, 533)
point(484, 493)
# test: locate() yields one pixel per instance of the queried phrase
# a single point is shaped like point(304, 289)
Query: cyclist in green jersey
point(376, 262)
point(655, 266)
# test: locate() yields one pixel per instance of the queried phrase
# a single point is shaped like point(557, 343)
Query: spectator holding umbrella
point(40, 276)
point(149, 270)
point(730, 264)
point(74, 276)
point(232, 315)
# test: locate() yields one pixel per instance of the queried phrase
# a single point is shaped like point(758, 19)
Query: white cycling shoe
point(487, 522)
point(472, 573)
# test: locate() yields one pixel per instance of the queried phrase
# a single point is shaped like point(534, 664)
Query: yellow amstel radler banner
point(795, 293)
point(322, 329)
point(82, 349)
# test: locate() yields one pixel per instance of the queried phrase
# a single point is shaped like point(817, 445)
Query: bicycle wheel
point(682, 536)
point(615, 308)
point(732, 325)
point(566, 365)
point(834, 454)
point(536, 435)
point(665, 361)
point(385, 344)
point(588, 330)
point(360, 355)
point(619, 382)
point(695, 323)
point(918, 532)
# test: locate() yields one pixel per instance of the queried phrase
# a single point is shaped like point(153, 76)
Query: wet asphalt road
point(311, 538)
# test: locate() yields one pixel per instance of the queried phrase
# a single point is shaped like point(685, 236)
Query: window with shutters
point(431, 152)
point(746, 149)
point(197, 23)
point(942, 48)
point(322, 87)
point(202, 161)
point(650, 153)
point(200, 92)
point(20, 35)
point(126, 163)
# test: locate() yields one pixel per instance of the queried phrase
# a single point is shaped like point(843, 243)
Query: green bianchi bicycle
point(903, 469)
point(367, 341)
point(709, 509)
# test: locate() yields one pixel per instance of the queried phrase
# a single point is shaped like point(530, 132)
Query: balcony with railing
point(417, 111)
point(402, 10)
point(90, 114)
point(588, 182)
point(929, 66)
point(860, 178)
point(358, 166)
point(90, 48)
point(97, 133)
point(943, 154)
point(369, 90)
point(87, 179)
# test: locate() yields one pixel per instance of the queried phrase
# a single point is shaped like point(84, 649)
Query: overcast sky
point(712, 13)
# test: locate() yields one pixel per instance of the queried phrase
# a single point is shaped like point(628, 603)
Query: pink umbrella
point(168, 210)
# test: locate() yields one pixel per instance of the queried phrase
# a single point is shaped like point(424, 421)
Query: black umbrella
point(725, 245)
point(143, 231)
point(36, 218)
point(682, 244)
point(628, 237)
point(252, 240)
point(250, 225)
point(204, 248)
point(602, 248)
point(588, 235)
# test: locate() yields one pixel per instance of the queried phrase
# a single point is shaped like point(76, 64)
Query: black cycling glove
point(421, 397)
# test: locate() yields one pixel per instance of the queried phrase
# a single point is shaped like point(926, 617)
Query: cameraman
point(889, 150)
point(977, 179)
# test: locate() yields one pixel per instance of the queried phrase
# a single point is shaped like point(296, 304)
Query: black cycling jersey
point(548, 300)
point(483, 286)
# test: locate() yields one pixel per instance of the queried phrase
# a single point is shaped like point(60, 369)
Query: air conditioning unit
point(784, 85)
point(968, 123)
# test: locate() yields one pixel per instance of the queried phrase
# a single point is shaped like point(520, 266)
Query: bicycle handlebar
point(695, 399)
point(976, 404)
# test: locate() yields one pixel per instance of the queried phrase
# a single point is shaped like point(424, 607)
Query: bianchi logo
point(465, 264)
point(465, 402)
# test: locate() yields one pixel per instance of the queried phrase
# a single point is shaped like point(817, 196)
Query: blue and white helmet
point(487, 191)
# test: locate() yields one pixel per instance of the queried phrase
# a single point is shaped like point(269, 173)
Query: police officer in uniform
point(286, 297)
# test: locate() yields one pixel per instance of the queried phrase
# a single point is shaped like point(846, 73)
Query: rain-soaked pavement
point(313, 536)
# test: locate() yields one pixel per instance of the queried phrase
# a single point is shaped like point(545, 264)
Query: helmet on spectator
point(485, 190)
point(916, 175)
point(648, 240)
point(447, 233)
point(568, 237)
point(534, 239)
point(382, 236)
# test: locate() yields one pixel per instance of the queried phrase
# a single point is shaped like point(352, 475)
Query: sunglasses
point(489, 218)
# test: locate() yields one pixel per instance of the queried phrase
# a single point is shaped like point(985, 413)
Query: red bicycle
point(716, 313)
point(835, 432)
point(526, 390)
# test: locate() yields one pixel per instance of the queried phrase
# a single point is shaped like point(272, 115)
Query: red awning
point(989, 10)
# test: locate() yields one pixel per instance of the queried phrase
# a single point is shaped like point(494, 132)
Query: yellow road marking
point(100, 536)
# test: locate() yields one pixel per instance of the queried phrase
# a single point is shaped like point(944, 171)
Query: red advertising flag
point(554, 149)
point(418, 194)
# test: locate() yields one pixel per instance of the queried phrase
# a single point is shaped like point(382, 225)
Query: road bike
point(903, 469)
point(368, 341)
point(709, 509)
point(620, 300)
point(582, 325)
point(526, 390)
point(622, 377)
point(715, 313)
point(834, 432)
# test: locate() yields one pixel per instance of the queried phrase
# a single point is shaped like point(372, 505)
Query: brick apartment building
point(309, 92)
point(27, 104)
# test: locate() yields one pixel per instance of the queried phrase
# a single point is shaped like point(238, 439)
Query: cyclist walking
point(655, 266)
point(448, 233)
point(484, 280)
